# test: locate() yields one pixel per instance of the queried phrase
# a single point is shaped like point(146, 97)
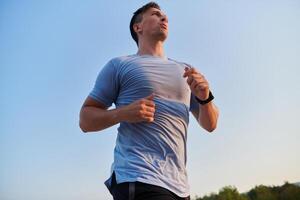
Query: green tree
point(289, 192)
point(285, 192)
point(230, 193)
point(262, 192)
point(212, 196)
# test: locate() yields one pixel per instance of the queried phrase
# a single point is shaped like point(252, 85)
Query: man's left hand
point(197, 82)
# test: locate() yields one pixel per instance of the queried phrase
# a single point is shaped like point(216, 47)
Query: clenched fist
point(141, 110)
point(197, 82)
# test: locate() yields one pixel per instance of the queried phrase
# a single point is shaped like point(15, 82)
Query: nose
point(164, 18)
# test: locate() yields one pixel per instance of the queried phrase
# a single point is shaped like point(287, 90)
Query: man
point(153, 95)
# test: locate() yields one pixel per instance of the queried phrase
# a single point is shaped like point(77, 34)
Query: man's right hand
point(141, 110)
point(94, 116)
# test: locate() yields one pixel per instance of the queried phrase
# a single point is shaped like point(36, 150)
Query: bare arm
point(94, 116)
point(207, 115)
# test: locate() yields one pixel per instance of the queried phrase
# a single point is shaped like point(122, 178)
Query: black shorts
point(141, 191)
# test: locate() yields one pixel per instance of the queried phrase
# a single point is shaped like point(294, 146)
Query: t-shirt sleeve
point(194, 105)
point(106, 87)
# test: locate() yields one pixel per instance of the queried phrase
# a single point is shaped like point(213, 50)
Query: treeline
point(285, 192)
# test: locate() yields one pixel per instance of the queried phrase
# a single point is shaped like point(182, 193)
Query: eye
point(157, 14)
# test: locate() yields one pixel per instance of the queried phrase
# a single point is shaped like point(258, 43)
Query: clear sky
point(52, 51)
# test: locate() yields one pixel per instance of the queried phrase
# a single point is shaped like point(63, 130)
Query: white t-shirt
point(152, 153)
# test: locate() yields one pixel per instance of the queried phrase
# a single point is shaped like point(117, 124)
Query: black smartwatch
point(209, 99)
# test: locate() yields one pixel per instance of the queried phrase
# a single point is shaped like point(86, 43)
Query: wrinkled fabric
point(153, 153)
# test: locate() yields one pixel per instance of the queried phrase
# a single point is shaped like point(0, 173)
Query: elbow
point(211, 128)
point(83, 122)
point(213, 124)
point(87, 127)
point(83, 127)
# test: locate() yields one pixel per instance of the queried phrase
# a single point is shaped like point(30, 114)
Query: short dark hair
point(138, 16)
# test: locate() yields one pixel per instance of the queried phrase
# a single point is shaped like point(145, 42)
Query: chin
point(164, 39)
point(162, 36)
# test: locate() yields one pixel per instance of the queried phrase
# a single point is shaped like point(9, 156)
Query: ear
point(137, 27)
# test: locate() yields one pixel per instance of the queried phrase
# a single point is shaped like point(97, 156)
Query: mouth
point(164, 26)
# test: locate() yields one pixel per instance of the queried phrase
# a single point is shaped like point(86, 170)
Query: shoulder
point(114, 64)
point(117, 61)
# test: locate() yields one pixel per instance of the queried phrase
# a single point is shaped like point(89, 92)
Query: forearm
point(208, 116)
point(96, 119)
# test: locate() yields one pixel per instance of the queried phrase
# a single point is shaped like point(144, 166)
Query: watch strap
point(209, 99)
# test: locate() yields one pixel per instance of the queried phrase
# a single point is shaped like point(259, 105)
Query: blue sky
point(52, 51)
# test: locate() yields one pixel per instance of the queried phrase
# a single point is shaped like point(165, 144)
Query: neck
point(154, 48)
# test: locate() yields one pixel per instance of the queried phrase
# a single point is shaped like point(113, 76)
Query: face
point(154, 25)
